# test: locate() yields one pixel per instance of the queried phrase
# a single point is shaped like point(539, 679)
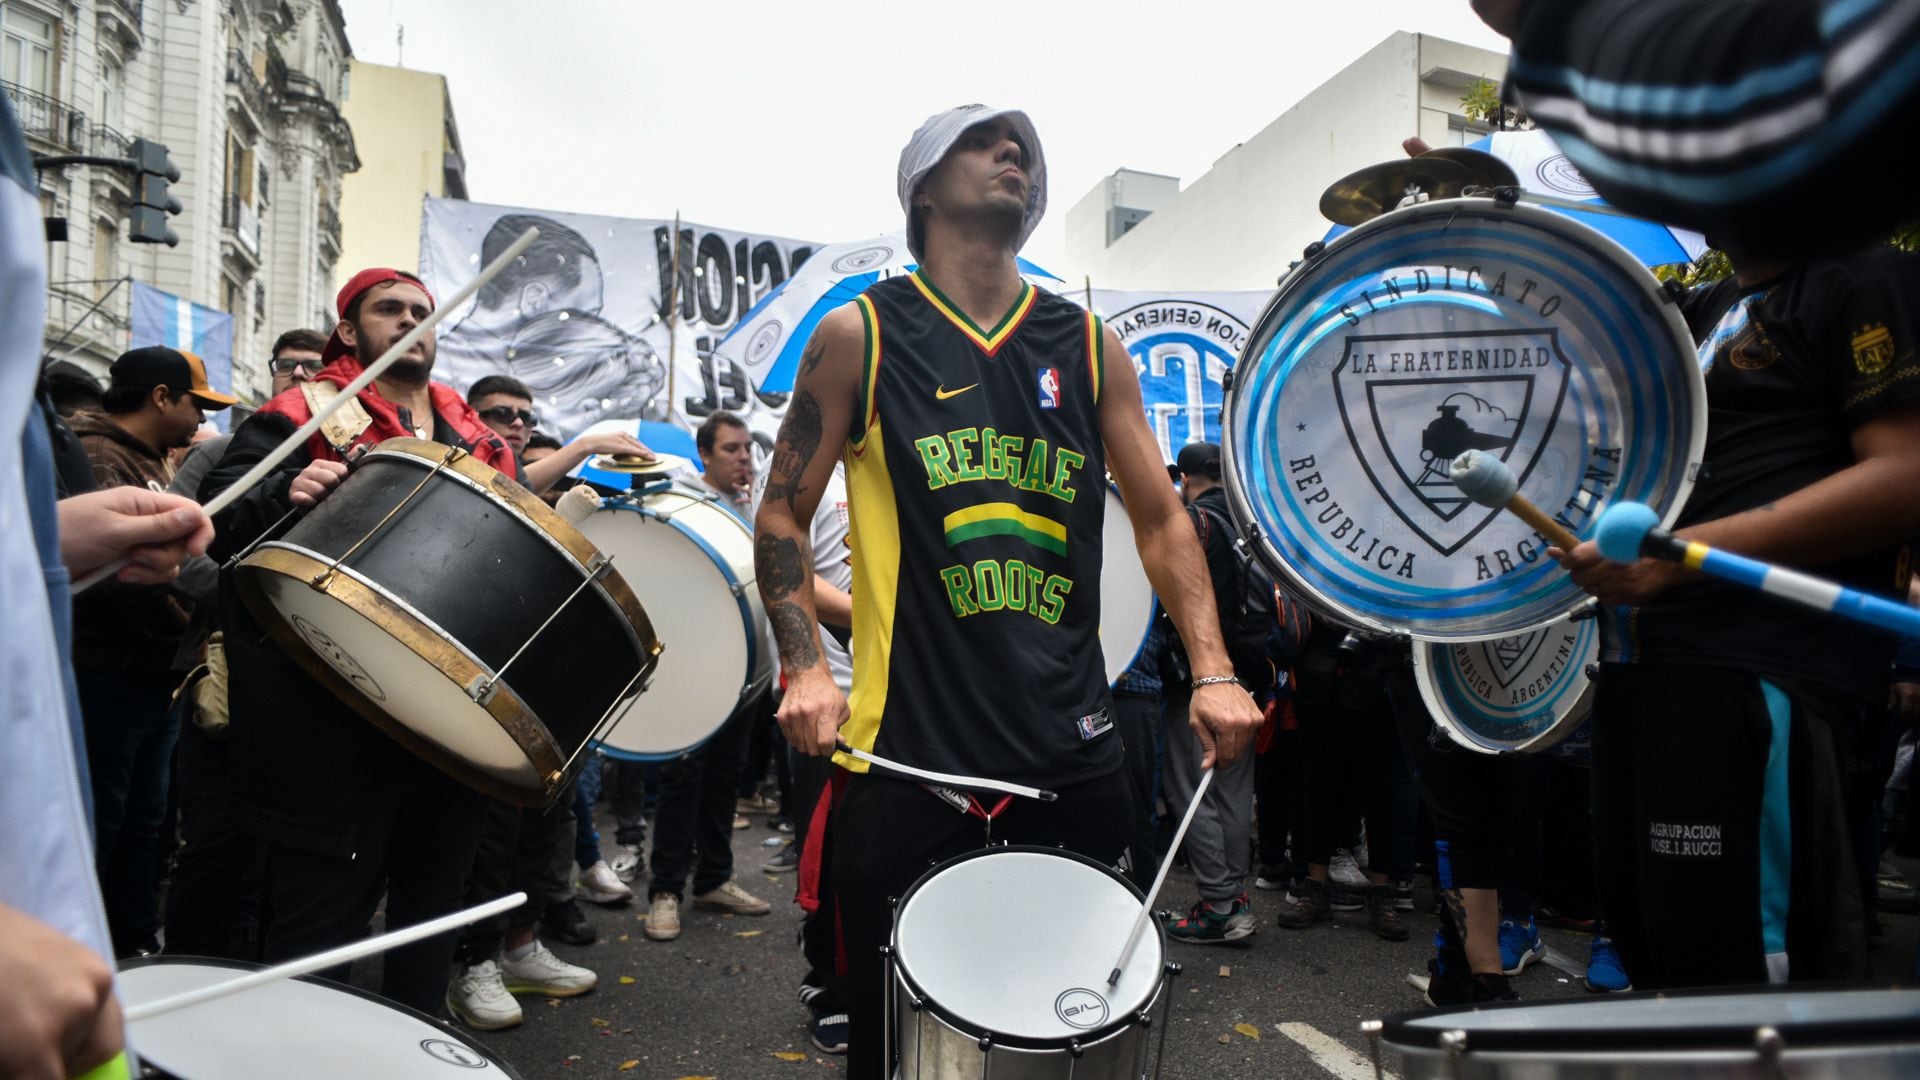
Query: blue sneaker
point(1520, 945)
point(1605, 973)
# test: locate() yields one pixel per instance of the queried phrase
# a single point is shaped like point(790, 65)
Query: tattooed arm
point(819, 416)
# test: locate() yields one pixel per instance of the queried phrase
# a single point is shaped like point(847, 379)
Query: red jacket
point(488, 447)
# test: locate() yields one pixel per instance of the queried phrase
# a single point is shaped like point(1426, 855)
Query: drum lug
point(481, 689)
point(1173, 969)
point(1372, 1029)
point(1770, 1046)
point(1074, 1049)
point(1226, 381)
point(985, 1044)
point(1455, 1044)
point(599, 564)
point(916, 1003)
point(893, 903)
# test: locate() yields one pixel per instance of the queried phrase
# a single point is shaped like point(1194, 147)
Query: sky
point(787, 119)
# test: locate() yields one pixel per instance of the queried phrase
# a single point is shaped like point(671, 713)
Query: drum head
point(1449, 326)
point(1126, 596)
point(961, 938)
point(1524, 692)
point(1805, 1017)
point(682, 557)
point(295, 1029)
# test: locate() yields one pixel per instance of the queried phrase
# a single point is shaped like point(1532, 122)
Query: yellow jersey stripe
point(875, 541)
point(869, 371)
point(988, 341)
point(1096, 354)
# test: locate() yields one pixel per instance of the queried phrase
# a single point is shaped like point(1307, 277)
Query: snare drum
point(1448, 326)
point(1127, 605)
point(1525, 692)
point(1768, 1033)
point(294, 1029)
point(699, 582)
point(452, 608)
point(979, 989)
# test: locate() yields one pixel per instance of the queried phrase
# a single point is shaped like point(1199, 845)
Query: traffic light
point(151, 204)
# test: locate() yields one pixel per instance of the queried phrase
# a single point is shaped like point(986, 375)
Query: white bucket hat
point(935, 137)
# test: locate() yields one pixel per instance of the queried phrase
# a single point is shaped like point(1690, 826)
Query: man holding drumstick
point(977, 417)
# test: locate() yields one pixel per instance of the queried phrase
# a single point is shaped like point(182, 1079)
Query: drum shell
point(464, 573)
point(1127, 602)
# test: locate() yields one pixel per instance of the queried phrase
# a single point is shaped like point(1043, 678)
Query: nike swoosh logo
point(943, 393)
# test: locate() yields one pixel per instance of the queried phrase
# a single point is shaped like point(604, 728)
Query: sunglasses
point(507, 414)
point(288, 365)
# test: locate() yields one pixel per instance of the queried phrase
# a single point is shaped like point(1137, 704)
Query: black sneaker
point(1305, 907)
point(1403, 895)
point(828, 1027)
point(564, 922)
point(1381, 917)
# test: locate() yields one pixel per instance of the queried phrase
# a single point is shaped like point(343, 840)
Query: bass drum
point(294, 1029)
point(1448, 326)
point(692, 557)
point(1524, 693)
point(1127, 604)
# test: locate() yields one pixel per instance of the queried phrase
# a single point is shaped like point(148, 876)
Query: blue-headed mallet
point(1486, 480)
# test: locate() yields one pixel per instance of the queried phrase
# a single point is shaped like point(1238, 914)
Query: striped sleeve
point(1782, 126)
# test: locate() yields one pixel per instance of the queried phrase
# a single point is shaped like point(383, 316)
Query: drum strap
point(343, 427)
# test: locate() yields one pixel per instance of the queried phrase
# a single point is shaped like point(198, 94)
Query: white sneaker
point(626, 861)
point(1345, 870)
point(479, 999)
point(601, 885)
point(732, 899)
point(663, 917)
point(541, 972)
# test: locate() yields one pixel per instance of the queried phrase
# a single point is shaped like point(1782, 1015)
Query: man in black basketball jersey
point(978, 417)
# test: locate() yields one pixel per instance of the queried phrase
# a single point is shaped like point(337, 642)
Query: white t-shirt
point(832, 561)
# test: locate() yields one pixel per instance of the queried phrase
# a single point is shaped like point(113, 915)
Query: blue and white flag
point(1182, 345)
point(161, 318)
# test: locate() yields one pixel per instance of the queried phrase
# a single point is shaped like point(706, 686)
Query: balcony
point(330, 225)
point(247, 85)
point(123, 18)
point(239, 219)
point(110, 143)
point(47, 120)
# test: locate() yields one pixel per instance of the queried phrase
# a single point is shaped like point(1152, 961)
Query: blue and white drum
point(1523, 693)
point(694, 556)
point(1454, 325)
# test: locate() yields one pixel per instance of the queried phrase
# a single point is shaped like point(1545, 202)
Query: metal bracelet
point(1212, 680)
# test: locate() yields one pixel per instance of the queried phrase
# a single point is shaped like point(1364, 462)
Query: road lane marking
point(1331, 1054)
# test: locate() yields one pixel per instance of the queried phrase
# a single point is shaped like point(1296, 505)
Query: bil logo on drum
point(1411, 404)
point(1081, 1008)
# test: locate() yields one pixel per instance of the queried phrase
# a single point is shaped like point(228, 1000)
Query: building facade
point(403, 122)
point(246, 96)
point(1247, 218)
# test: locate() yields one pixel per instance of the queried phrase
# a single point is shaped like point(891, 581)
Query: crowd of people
point(929, 573)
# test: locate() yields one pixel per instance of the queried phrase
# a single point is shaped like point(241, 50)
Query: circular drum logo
point(453, 1053)
point(765, 339)
point(1558, 174)
point(862, 260)
point(1081, 1008)
point(343, 662)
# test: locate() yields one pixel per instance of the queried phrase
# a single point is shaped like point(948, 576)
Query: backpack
point(1263, 623)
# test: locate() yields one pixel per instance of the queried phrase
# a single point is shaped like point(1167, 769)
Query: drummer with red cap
point(344, 814)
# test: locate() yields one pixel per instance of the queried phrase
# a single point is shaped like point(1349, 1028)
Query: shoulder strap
point(345, 425)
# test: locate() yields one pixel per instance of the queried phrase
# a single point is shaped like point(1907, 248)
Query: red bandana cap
point(360, 283)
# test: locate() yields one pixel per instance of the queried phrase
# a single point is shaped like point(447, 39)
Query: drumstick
point(373, 371)
point(1486, 480)
point(1159, 879)
point(345, 954)
point(1626, 531)
point(978, 783)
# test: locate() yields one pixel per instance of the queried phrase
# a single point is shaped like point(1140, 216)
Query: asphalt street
point(720, 1001)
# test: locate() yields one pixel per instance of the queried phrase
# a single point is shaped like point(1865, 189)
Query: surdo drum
point(1769, 1033)
point(1454, 325)
point(1523, 693)
point(460, 614)
point(978, 990)
point(1127, 605)
point(294, 1029)
point(699, 580)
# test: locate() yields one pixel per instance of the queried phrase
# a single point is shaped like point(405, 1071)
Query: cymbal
point(638, 466)
point(1492, 171)
point(1364, 195)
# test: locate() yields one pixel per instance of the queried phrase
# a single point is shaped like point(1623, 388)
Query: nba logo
point(1049, 388)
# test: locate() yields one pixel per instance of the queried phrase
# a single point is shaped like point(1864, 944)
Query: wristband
point(1212, 680)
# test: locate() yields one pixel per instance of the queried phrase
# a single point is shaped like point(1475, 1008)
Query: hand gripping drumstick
point(1627, 531)
point(977, 783)
point(320, 961)
point(373, 371)
point(1159, 879)
point(1486, 480)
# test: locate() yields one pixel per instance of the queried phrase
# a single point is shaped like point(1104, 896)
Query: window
point(107, 114)
point(26, 50)
point(106, 241)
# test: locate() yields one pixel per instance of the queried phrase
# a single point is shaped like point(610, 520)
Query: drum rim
point(1427, 662)
point(974, 1029)
point(441, 1030)
point(1617, 1039)
point(559, 533)
point(412, 630)
point(1490, 209)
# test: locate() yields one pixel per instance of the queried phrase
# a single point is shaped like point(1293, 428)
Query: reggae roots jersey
point(975, 476)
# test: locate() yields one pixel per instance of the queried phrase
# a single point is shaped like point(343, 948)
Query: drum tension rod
point(325, 577)
point(1772, 1048)
point(1372, 1029)
point(1455, 1044)
point(481, 689)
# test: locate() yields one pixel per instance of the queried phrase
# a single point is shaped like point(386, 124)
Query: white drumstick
point(373, 371)
point(345, 954)
point(979, 783)
point(1159, 879)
